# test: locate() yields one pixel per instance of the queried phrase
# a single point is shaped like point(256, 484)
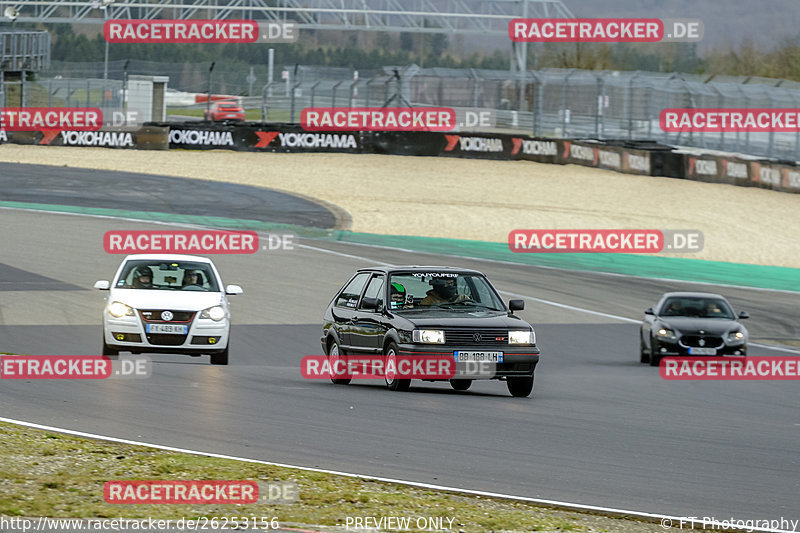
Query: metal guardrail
point(565, 103)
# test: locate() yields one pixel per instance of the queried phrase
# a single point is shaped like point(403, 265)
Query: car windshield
point(167, 275)
point(424, 291)
point(697, 308)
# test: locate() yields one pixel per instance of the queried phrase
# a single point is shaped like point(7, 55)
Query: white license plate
point(702, 351)
point(168, 328)
point(477, 357)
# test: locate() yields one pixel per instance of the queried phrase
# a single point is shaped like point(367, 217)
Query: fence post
point(294, 91)
point(629, 100)
point(565, 119)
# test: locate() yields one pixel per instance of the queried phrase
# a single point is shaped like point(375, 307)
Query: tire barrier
point(644, 158)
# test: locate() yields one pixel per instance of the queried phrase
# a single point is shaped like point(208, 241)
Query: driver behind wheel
point(192, 277)
point(443, 290)
point(142, 278)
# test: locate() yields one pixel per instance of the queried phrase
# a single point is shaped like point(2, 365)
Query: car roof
point(692, 295)
point(419, 268)
point(168, 257)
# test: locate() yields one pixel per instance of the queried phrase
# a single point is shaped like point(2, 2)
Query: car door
point(367, 331)
point(344, 308)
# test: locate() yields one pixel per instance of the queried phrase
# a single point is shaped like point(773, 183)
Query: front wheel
point(644, 355)
point(460, 384)
point(655, 359)
point(392, 381)
point(221, 358)
point(109, 351)
point(334, 356)
point(520, 387)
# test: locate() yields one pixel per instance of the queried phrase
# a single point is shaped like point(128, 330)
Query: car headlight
point(521, 337)
point(119, 309)
point(665, 333)
point(735, 336)
point(215, 313)
point(428, 336)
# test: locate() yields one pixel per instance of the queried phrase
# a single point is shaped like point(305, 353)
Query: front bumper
point(518, 361)
point(203, 337)
point(663, 348)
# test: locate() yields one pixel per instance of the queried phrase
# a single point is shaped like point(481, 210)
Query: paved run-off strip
point(646, 266)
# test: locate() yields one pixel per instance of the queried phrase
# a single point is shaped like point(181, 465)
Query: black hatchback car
point(691, 323)
point(438, 312)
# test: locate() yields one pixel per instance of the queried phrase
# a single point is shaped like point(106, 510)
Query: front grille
point(165, 339)
point(154, 315)
point(708, 341)
point(475, 337)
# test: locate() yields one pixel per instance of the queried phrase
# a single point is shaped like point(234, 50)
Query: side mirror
point(102, 284)
point(649, 311)
point(743, 315)
point(233, 290)
point(516, 305)
point(369, 304)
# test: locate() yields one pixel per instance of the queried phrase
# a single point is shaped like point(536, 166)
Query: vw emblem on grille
point(702, 342)
point(167, 316)
point(477, 337)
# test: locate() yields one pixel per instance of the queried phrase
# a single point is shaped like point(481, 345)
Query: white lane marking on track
point(598, 273)
point(570, 505)
point(572, 307)
point(614, 274)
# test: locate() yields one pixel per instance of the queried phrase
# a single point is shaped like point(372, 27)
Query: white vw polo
point(167, 304)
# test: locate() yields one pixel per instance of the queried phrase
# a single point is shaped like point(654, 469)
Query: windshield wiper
point(476, 304)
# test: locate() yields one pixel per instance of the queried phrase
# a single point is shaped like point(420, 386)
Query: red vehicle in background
point(225, 111)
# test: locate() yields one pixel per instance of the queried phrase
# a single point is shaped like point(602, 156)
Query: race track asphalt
point(600, 429)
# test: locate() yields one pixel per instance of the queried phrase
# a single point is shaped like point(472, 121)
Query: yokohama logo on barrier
point(733, 169)
point(791, 179)
point(534, 147)
point(636, 163)
point(111, 139)
point(609, 159)
point(201, 137)
point(702, 168)
point(474, 144)
point(580, 153)
point(308, 140)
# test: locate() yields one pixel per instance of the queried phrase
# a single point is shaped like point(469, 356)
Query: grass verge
point(55, 475)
